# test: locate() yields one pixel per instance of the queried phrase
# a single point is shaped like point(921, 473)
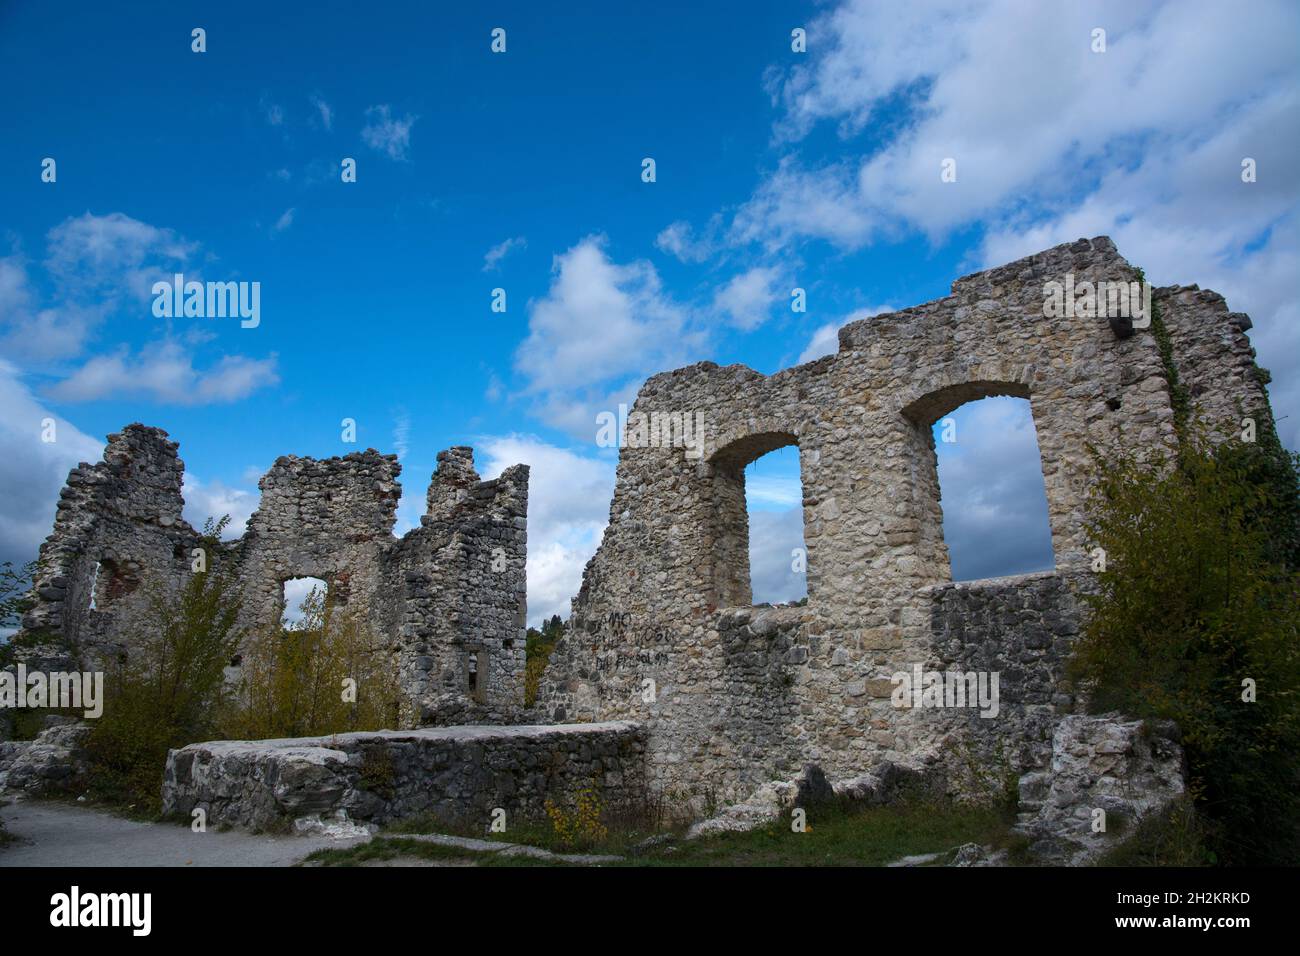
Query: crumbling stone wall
point(458, 775)
point(461, 617)
point(674, 558)
point(446, 598)
point(118, 523)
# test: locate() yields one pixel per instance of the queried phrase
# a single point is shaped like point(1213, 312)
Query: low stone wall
point(457, 774)
point(1022, 628)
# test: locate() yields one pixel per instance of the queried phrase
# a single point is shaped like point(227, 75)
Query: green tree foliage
point(1199, 602)
point(538, 647)
point(326, 674)
point(169, 689)
point(15, 599)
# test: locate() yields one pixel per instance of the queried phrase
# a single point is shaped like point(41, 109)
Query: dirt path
point(57, 834)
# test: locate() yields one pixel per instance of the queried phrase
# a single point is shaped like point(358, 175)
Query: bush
point(325, 675)
point(538, 647)
point(169, 689)
point(1199, 596)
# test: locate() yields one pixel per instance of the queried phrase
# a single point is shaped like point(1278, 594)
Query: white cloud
point(991, 483)
point(285, 220)
point(166, 373)
point(568, 507)
point(599, 331)
point(1052, 142)
point(679, 239)
point(1013, 93)
point(773, 536)
point(386, 134)
point(492, 260)
point(782, 491)
point(32, 471)
point(402, 434)
point(748, 297)
point(204, 500)
point(826, 338)
point(323, 110)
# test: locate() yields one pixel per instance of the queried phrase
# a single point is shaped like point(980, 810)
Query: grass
point(836, 836)
point(392, 848)
point(1176, 837)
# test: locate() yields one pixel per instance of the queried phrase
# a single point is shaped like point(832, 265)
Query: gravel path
point(57, 834)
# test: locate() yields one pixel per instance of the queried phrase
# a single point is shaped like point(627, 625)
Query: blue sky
point(522, 171)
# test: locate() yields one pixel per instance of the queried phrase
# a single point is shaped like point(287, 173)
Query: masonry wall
point(449, 591)
point(673, 560)
point(118, 526)
point(459, 775)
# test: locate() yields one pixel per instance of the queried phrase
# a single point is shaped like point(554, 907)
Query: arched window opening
point(778, 559)
point(994, 501)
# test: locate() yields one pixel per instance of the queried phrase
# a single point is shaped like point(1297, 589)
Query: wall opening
point(756, 522)
point(476, 674)
point(109, 582)
point(994, 501)
point(778, 559)
point(294, 596)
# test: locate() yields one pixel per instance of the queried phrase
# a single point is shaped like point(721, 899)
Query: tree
point(1196, 617)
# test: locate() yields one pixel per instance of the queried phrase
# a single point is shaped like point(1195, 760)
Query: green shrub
point(1200, 595)
point(538, 647)
point(293, 680)
point(168, 689)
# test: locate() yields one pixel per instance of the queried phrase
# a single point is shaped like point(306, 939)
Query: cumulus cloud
point(104, 266)
point(387, 134)
point(599, 331)
point(568, 508)
point(1051, 141)
point(679, 239)
point(214, 499)
point(32, 471)
point(492, 260)
point(994, 501)
point(773, 537)
point(826, 338)
point(166, 373)
point(746, 300)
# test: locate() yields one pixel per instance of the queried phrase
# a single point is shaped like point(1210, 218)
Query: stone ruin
point(725, 697)
point(447, 599)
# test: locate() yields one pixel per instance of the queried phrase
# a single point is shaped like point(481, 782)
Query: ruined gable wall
point(461, 577)
point(124, 511)
point(672, 559)
point(331, 519)
point(1213, 357)
point(455, 585)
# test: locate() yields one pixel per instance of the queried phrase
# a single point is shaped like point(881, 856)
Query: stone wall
point(458, 775)
point(673, 563)
point(1020, 628)
point(448, 599)
point(118, 524)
